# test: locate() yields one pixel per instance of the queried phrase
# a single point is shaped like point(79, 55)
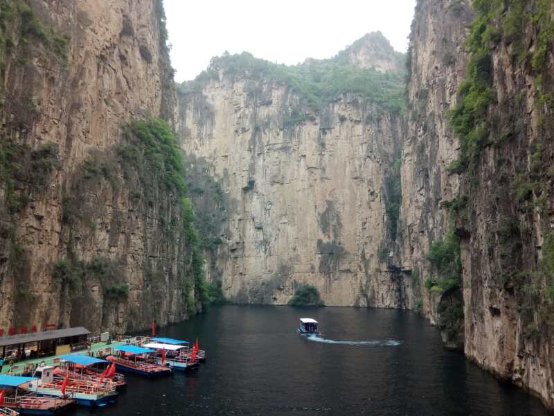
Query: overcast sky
point(282, 31)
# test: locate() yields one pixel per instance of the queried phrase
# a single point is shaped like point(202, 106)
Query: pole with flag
point(64, 385)
point(111, 371)
point(194, 353)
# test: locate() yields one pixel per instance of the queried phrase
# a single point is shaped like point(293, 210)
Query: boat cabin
point(308, 326)
point(171, 350)
point(45, 374)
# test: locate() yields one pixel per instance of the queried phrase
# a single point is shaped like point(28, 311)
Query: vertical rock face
point(306, 188)
point(506, 154)
point(488, 185)
point(437, 66)
point(74, 74)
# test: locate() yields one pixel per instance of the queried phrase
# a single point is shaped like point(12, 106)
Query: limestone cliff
point(304, 173)
point(438, 61)
point(481, 224)
point(83, 240)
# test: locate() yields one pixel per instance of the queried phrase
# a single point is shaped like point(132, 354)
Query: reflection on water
point(257, 364)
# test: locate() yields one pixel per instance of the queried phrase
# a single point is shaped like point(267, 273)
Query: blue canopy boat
point(50, 381)
point(17, 398)
point(200, 354)
point(137, 360)
point(83, 367)
point(173, 356)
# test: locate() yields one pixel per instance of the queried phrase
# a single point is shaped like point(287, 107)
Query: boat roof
point(308, 321)
point(131, 349)
point(171, 341)
point(43, 336)
point(13, 381)
point(160, 346)
point(82, 359)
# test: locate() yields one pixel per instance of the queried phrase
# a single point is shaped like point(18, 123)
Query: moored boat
point(83, 367)
point(200, 354)
point(308, 326)
point(4, 411)
point(137, 360)
point(173, 356)
point(85, 393)
point(15, 397)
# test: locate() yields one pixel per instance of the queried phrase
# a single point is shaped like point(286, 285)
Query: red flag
point(64, 385)
point(1, 397)
point(163, 356)
point(197, 345)
point(193, 355)
point(153, 328)
point(111, 371)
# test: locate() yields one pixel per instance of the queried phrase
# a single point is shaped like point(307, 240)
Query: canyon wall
point(477, 186)
point(312, 175)
point(305, 187)
point(437, 62)
point(84, 240)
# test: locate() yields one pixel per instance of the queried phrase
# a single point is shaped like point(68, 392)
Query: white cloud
point(284, 31)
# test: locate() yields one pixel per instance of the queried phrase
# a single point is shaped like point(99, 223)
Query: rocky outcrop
point(75, 222)
point(306, 185)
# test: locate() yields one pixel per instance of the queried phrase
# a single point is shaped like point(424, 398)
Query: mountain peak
point(373, 50)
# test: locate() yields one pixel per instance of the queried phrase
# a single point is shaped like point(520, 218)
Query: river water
point(369, 362)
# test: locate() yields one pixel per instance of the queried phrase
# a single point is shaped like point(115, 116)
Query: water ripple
point(373, 343)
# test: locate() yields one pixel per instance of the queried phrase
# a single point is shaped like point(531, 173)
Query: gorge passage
point(420, 181)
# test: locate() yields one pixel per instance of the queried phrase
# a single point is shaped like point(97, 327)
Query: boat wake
point(375, 343)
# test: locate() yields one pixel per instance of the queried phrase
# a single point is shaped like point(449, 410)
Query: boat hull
point(307, 334)
point(38, 406)
point(42, 412)
point(142, 373)
point(182, 368)
point(102, 402)
point(81, 399)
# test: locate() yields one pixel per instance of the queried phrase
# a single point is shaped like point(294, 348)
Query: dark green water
point(258, 365)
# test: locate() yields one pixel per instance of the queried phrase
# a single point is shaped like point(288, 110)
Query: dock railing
point(4, 411)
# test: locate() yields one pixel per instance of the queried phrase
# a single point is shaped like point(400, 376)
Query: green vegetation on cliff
point(306, 295)
point(147, 165)
point(152, 150)
point(19, 26)
point(316, 82)
point(73, 273)
point(498, 21)
point(393, 198)
point(24, 171)
point(445, 258)
point(518, 123)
